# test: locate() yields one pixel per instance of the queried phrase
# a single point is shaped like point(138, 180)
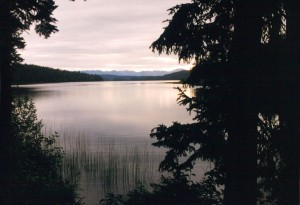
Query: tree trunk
point(241, 161)
point(290, 113)
point(6, 136)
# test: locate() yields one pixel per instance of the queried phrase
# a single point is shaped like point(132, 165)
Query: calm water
point(104, 129)
point(122, 109)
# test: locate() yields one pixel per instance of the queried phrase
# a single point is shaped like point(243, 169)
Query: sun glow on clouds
point(104, 34)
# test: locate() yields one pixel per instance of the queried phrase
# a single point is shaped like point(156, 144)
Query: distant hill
point(180, 75)
point(28, 74)
point(152, 75)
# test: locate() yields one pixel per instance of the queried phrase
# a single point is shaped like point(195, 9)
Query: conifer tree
point(244, 54)
point(16, 17)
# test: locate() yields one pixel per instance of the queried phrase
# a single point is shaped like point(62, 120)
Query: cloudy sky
point(105, 35)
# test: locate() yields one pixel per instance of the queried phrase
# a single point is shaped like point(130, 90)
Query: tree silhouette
point(16, 16)
point(245, 62)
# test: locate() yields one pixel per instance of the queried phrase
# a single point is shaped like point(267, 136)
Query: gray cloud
point(104, 34)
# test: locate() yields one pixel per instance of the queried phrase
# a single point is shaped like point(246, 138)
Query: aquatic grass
point(109, 164)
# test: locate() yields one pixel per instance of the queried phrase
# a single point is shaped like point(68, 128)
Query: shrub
point(176, 190)
point(37, 175)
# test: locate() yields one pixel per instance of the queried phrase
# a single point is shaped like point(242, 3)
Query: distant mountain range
point(178, 74)
point(130, 73)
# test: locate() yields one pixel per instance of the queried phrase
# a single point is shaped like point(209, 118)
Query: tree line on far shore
point(27, 74)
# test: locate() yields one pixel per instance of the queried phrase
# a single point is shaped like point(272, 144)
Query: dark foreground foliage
point(37, 176)
point(176, 190)
point(246, 103)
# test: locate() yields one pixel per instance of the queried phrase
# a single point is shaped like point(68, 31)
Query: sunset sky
point(104, 35)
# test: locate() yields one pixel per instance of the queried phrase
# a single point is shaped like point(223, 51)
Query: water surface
point(111, 108)
point(104, 129)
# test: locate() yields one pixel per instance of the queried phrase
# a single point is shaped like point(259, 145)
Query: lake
point(104, 129)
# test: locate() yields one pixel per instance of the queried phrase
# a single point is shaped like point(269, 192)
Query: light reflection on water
point(111, 108)
point(105, 127)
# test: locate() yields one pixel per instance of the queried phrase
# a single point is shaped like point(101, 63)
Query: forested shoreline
point(29, 74)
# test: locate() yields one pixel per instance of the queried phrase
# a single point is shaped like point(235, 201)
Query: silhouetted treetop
point(20, 16)
point(200, 30)
point(38, 12)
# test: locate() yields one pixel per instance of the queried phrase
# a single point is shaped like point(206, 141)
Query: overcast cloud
point(104, 34)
